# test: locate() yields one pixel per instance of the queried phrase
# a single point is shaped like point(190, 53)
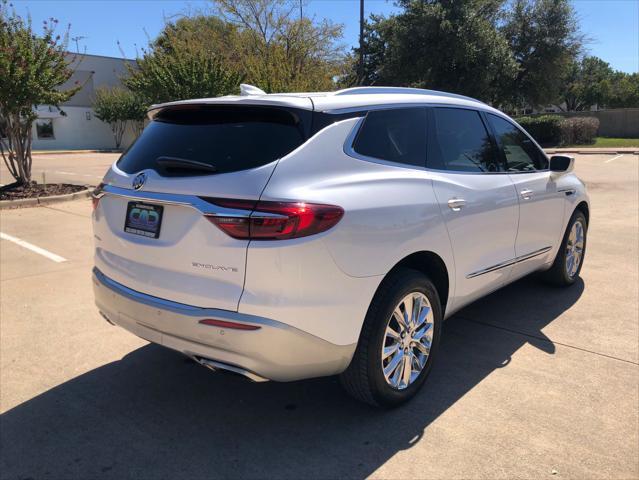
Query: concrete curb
point(588, 151)
point(34, 202)
point(66, 152)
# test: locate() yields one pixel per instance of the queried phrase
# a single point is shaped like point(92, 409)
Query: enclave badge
point(138, 181)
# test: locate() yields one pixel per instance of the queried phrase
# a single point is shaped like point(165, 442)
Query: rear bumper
point(275, 351)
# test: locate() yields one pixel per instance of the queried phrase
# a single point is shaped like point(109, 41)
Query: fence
point(619, 123)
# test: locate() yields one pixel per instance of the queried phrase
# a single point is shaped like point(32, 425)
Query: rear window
point(394, 135)
point(226, 139)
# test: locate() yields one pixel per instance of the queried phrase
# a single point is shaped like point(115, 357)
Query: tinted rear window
point(227, 138)
point(394, 135)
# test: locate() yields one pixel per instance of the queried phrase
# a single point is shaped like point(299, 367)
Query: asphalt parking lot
point(532, 381)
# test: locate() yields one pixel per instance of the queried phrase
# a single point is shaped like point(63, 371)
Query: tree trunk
point(16, 148)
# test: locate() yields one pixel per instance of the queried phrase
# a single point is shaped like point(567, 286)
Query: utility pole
point(361, 43)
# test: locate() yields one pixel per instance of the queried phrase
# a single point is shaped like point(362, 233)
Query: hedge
point(546, 129)
point(579, 130)
point(555, 130)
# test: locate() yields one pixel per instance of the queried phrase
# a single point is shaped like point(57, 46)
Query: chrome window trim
point(507, 263)
point(350, 139)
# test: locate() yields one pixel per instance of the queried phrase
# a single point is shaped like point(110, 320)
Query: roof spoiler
point(246, 90)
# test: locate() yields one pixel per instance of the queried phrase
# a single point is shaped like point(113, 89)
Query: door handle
point(456, 204)
point(526, 194)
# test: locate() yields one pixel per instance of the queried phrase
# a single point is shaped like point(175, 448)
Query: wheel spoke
point(408, 310)
point(407, 369)
point(393, 364)
point(388, 351)
point(399, 371)
point(392, 334)
point(417, 307)
point(421, 333)
point(424, 346)
point(398, 315)
point(423, 316)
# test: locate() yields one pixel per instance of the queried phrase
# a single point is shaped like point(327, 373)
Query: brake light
point(275, 220)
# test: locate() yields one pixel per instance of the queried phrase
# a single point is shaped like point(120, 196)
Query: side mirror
point(560, 164)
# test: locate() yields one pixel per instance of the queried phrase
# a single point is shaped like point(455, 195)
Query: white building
point(78, 128)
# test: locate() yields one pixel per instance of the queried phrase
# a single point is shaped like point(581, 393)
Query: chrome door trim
point(508, 263)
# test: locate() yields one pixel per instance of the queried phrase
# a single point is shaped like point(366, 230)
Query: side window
point(397, 135)
point(522, 155)
point(463, 143)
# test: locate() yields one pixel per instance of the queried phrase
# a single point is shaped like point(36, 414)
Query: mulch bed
point(35, 190)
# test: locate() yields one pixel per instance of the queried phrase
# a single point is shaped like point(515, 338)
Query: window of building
point(397, 135)
point(521, 153)
point(44, 128)
point(463, 143)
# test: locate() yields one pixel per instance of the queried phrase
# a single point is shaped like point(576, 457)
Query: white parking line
point(614, 158)
point(33, 248)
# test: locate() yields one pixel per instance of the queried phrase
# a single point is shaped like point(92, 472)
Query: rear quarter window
point(228, 138)
point(397, 135)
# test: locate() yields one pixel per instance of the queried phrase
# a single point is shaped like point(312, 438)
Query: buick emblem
point(138, 181)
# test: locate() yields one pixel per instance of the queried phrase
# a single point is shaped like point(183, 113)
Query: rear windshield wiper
point(184, 164)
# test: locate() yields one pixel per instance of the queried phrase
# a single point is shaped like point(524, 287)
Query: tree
point(624, 90)
point(445, 45)
point(279, 51)
point(33, 68)
point(178, 69)
point(119, 107)
point(544, 38)
point(587, 83)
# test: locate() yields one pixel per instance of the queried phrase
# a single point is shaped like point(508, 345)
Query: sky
point(611, 25)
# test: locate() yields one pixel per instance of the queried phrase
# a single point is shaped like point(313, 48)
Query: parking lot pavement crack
point(546, 339)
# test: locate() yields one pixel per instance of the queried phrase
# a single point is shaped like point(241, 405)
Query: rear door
point(152, 227)
point(477, 200)
point(541, 206)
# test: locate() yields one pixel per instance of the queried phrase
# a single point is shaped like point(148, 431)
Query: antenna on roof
point(246, 90)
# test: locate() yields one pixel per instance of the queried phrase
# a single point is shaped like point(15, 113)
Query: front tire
point(398, 342)
point(570, 256)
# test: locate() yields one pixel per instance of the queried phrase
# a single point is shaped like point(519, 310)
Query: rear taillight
point(275, 220)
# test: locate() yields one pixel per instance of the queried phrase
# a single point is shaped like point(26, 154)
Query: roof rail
point(404, 90)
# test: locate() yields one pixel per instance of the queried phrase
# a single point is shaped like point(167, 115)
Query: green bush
point(579, 130)
point(546, 129)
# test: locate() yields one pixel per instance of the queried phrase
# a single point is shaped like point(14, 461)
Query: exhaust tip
point(225, 367)
point(107, 318)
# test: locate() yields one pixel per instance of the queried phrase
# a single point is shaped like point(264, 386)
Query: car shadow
point(156, 414)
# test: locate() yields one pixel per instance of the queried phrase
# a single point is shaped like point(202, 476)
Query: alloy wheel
point(407, 340)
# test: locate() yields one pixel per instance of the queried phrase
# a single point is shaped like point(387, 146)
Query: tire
point(563, 273)
point(364, 378)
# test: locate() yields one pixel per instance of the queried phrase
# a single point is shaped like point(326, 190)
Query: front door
point(541, 206)
point(477, 200)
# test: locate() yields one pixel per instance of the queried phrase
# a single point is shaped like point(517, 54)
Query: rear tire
point(370, 377)
point(572, 251)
